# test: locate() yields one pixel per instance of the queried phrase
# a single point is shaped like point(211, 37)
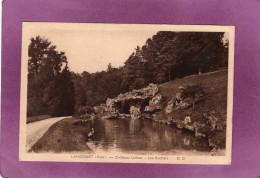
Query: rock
point(181, 87)
point(198, 134)
point(110, 116)
point(213, 152)
point(171, 120)
point(187, 120)
point(197, 128)
point(132, 98)
point(178, 96)
point(181, 104)
point(135, 112)
point(170, 106)
point(154, 104)
point(155, 100)
point(188, 127)
point(212, 120)
point(188, 96)
point(93, 117)
point(146, 116)
point(123, 116)
point(153, 108)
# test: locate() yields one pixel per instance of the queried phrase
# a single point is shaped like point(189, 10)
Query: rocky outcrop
point(214, 121)
point(133, 99)
point(135, 112)
point(170, 106)
point(110, 115)
point(154, 104)
point(148, 103)
point(186, 97)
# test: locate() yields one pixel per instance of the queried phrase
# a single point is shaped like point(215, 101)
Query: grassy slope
point(215, 87)
point(63, 136)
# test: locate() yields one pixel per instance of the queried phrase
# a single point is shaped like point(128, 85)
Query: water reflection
point(142, 135)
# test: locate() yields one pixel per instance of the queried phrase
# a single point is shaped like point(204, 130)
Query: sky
point(91, 47)
point(92, 50)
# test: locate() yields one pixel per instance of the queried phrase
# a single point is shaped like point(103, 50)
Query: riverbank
point(63, 136)
point(197, 103)
point(35, 130)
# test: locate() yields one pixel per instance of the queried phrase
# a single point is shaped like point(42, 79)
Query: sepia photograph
point(126, 93)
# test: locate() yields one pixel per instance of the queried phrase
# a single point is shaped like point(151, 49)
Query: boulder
point(178, 96)
point(153, 109)
point(110, 116)
point(170, 106)
point(123, 116)
point(212, 120)
point(147, 116)
point(154, 104)
point(155, 100)
point(198, 128)
point(188, 127)
point(182, 104)
point(187, 120)
point(135, 112)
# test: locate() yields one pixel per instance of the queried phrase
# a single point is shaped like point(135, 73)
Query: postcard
point(126, 93)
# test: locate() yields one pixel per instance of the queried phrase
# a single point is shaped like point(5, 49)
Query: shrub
point(192, 91)
point(84, 110)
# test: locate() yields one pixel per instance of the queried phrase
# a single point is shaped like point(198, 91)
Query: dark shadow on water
point(144, 135)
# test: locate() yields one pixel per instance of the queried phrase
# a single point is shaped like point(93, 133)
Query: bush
point(192, 91)
point(84, 110)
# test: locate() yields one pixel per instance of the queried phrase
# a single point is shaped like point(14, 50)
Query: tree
point(199, 51)
point(49, 80)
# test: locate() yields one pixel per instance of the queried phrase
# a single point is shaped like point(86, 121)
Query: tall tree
point(48, 80)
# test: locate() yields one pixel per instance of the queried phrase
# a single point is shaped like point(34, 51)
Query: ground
point(63, 136)
point(35, 130)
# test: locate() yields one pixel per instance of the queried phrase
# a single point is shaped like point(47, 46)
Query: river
point(144, 137)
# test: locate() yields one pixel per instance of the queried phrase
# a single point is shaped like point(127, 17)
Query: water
point(143, 136)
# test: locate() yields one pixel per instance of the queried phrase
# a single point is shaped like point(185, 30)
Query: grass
point(37, 118)
point(215, 87)
point(63, 136)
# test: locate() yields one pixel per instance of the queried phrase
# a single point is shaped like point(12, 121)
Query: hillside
point(195, 103)
point(215, 103)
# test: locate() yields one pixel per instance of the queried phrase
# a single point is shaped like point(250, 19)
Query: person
point(187, 119)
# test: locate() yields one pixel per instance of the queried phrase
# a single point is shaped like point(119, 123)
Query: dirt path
point(36, 130)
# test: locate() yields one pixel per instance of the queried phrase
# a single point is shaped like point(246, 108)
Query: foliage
point(192, 91)
point(53, 89)
point(50, 89)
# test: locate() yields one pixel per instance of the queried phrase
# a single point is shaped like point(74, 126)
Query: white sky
point(91, 50)
point(90, 47)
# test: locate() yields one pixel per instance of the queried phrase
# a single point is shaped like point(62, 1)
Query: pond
point(143, 136)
